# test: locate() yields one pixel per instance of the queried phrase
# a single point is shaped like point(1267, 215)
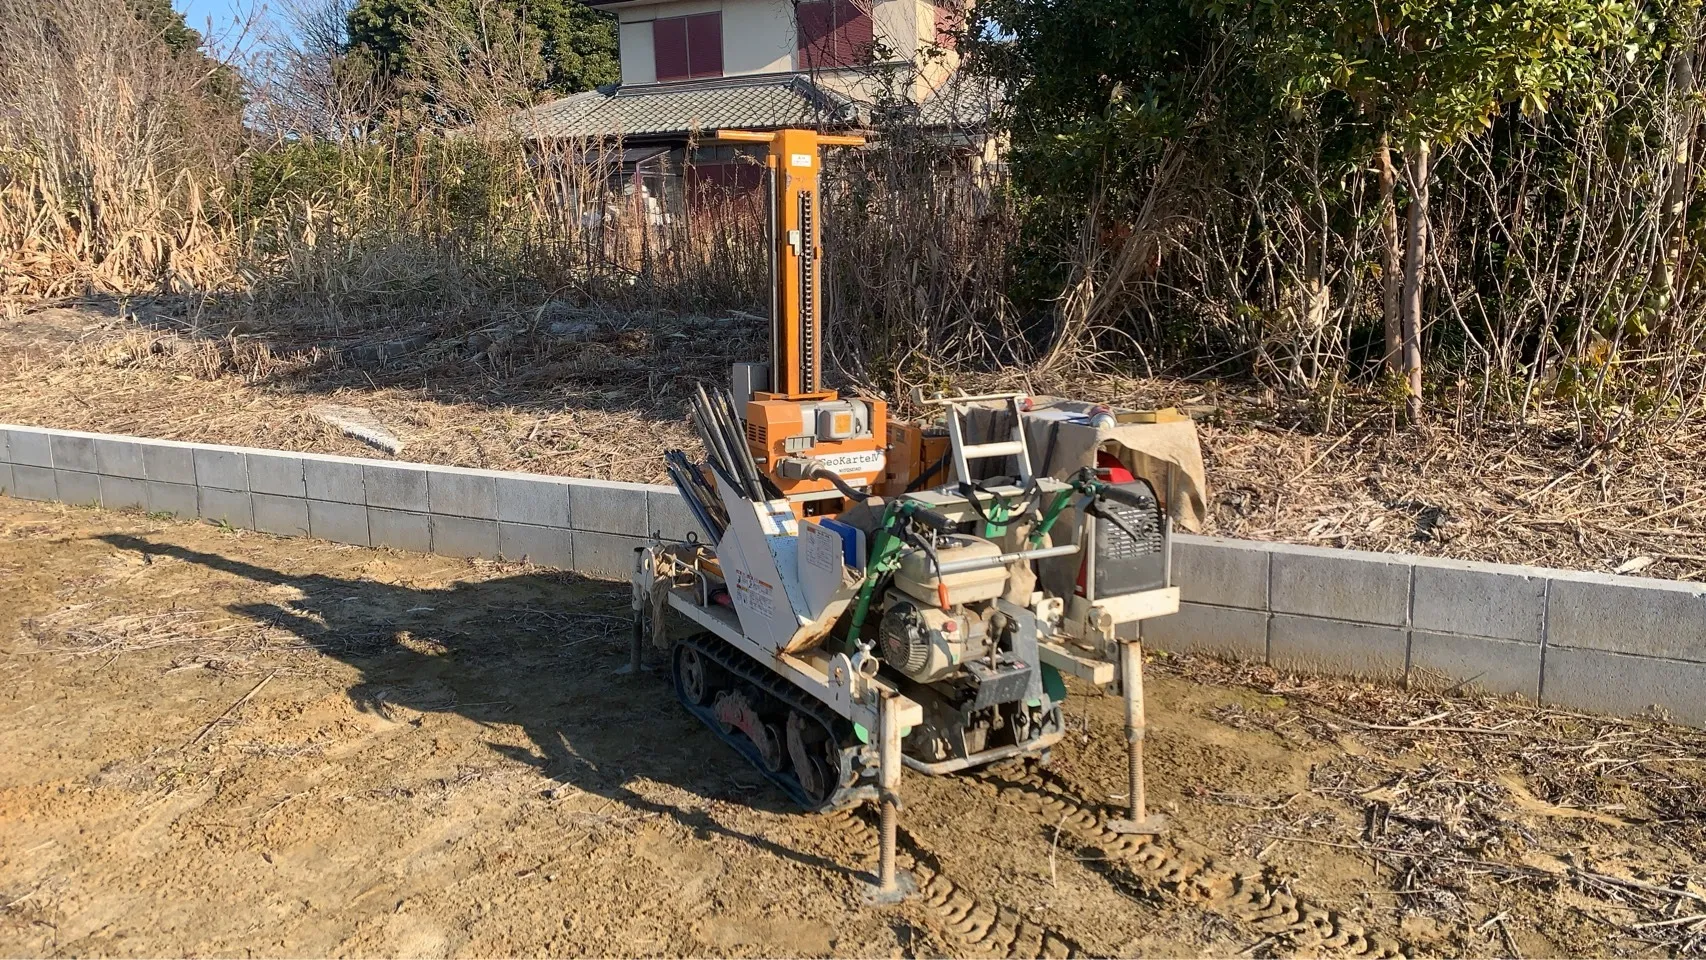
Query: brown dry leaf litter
point(585, 393)
point(220, 742)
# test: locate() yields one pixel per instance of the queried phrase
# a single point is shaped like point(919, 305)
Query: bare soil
point(220, 742)
point(582, 392)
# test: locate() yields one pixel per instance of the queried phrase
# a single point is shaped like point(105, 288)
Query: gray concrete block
point(1226, 573)
point(462, 493)
point(1604, 682)
point(604, 555)
point(546, 546)
point(1496, 666)
point(280, 475)
point(541, 501)
point(34, 483)
point(230, 507)
point(120, 458)
point(74, 453)
point(338, 522)
point(1200, 628)
point(123, 493)
point(464, 537)
point(1658, 618)
point(667, 514)
point(221, 469)
point(177, 499)
point(395, 488)
point(78, 488)
point(1341, 584)
point(1334, 646)
point(536, 500)
point(283, 516)
point(334, 480)
point(608, 506)
point(169, 462)
point(5, 447)
point(399, 530)
point(1479, 599)
point(29, 447)
point(7, 484)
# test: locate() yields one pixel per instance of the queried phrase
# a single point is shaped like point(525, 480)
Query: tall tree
point(577, 43)
point(1430, 73)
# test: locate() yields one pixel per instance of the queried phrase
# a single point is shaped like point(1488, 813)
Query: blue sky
point(228, 19)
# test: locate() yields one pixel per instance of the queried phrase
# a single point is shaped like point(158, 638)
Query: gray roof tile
point(767, 102)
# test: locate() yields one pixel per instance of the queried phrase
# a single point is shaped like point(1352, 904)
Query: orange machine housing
point(776, 428)
point(913, 449)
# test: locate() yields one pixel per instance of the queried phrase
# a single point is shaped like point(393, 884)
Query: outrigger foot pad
point(1153, 825)
point(904, 887)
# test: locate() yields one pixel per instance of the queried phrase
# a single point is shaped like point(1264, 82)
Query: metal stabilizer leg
point(892, 884)
point(636, 649)
point(1139, 820)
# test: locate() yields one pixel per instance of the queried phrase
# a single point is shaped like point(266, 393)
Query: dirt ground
point(220, 742)
point(588, 393)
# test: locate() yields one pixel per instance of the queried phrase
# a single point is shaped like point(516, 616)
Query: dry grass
point(1449, 788)
point(605, 395)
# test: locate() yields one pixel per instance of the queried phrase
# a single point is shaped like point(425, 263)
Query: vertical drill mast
point(796, 325)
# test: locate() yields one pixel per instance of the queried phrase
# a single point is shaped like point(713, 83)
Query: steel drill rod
point(888, 777)
point(708, 435)
point(1131, 675)
point(737, 443)
point(738, 438)
point(711, 434)
point(988, 563)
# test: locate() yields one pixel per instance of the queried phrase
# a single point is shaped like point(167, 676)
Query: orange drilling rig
point(872, 595)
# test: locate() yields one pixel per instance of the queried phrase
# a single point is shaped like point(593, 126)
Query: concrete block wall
point(587, 526)
point(1577, 640)
point(1585, 641)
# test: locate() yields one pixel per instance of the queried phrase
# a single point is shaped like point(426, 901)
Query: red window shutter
point(949, 19)
point(855, 33)
point(812, 19)
point(669, 48)
point(834, 33)
point(705, 45)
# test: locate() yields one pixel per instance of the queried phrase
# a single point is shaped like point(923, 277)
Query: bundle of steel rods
point(725, 443)
point(698, 494)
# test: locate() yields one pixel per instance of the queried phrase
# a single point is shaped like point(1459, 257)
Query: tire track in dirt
point(1159, 867)
point(976, 925)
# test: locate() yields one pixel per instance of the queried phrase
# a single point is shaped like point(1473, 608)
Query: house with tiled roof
point(692, 67)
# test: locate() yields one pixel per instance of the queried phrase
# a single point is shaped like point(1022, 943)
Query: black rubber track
point(855, 782)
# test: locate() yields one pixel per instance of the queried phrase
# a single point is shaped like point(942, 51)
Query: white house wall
point(758, 36)
point(896, 25)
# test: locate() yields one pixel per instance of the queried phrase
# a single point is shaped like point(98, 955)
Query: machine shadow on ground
point(494, 652)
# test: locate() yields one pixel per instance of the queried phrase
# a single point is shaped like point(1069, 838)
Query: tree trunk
point(1415, 268)
point(1676, 194)
point(1391, 256)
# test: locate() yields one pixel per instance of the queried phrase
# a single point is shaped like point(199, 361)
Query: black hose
point(847, 490)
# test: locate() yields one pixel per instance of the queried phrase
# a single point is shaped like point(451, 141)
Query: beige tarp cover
point(1062, 441)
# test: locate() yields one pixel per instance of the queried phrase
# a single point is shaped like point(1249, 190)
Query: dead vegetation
point(1461, 801)
point(601, 393)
